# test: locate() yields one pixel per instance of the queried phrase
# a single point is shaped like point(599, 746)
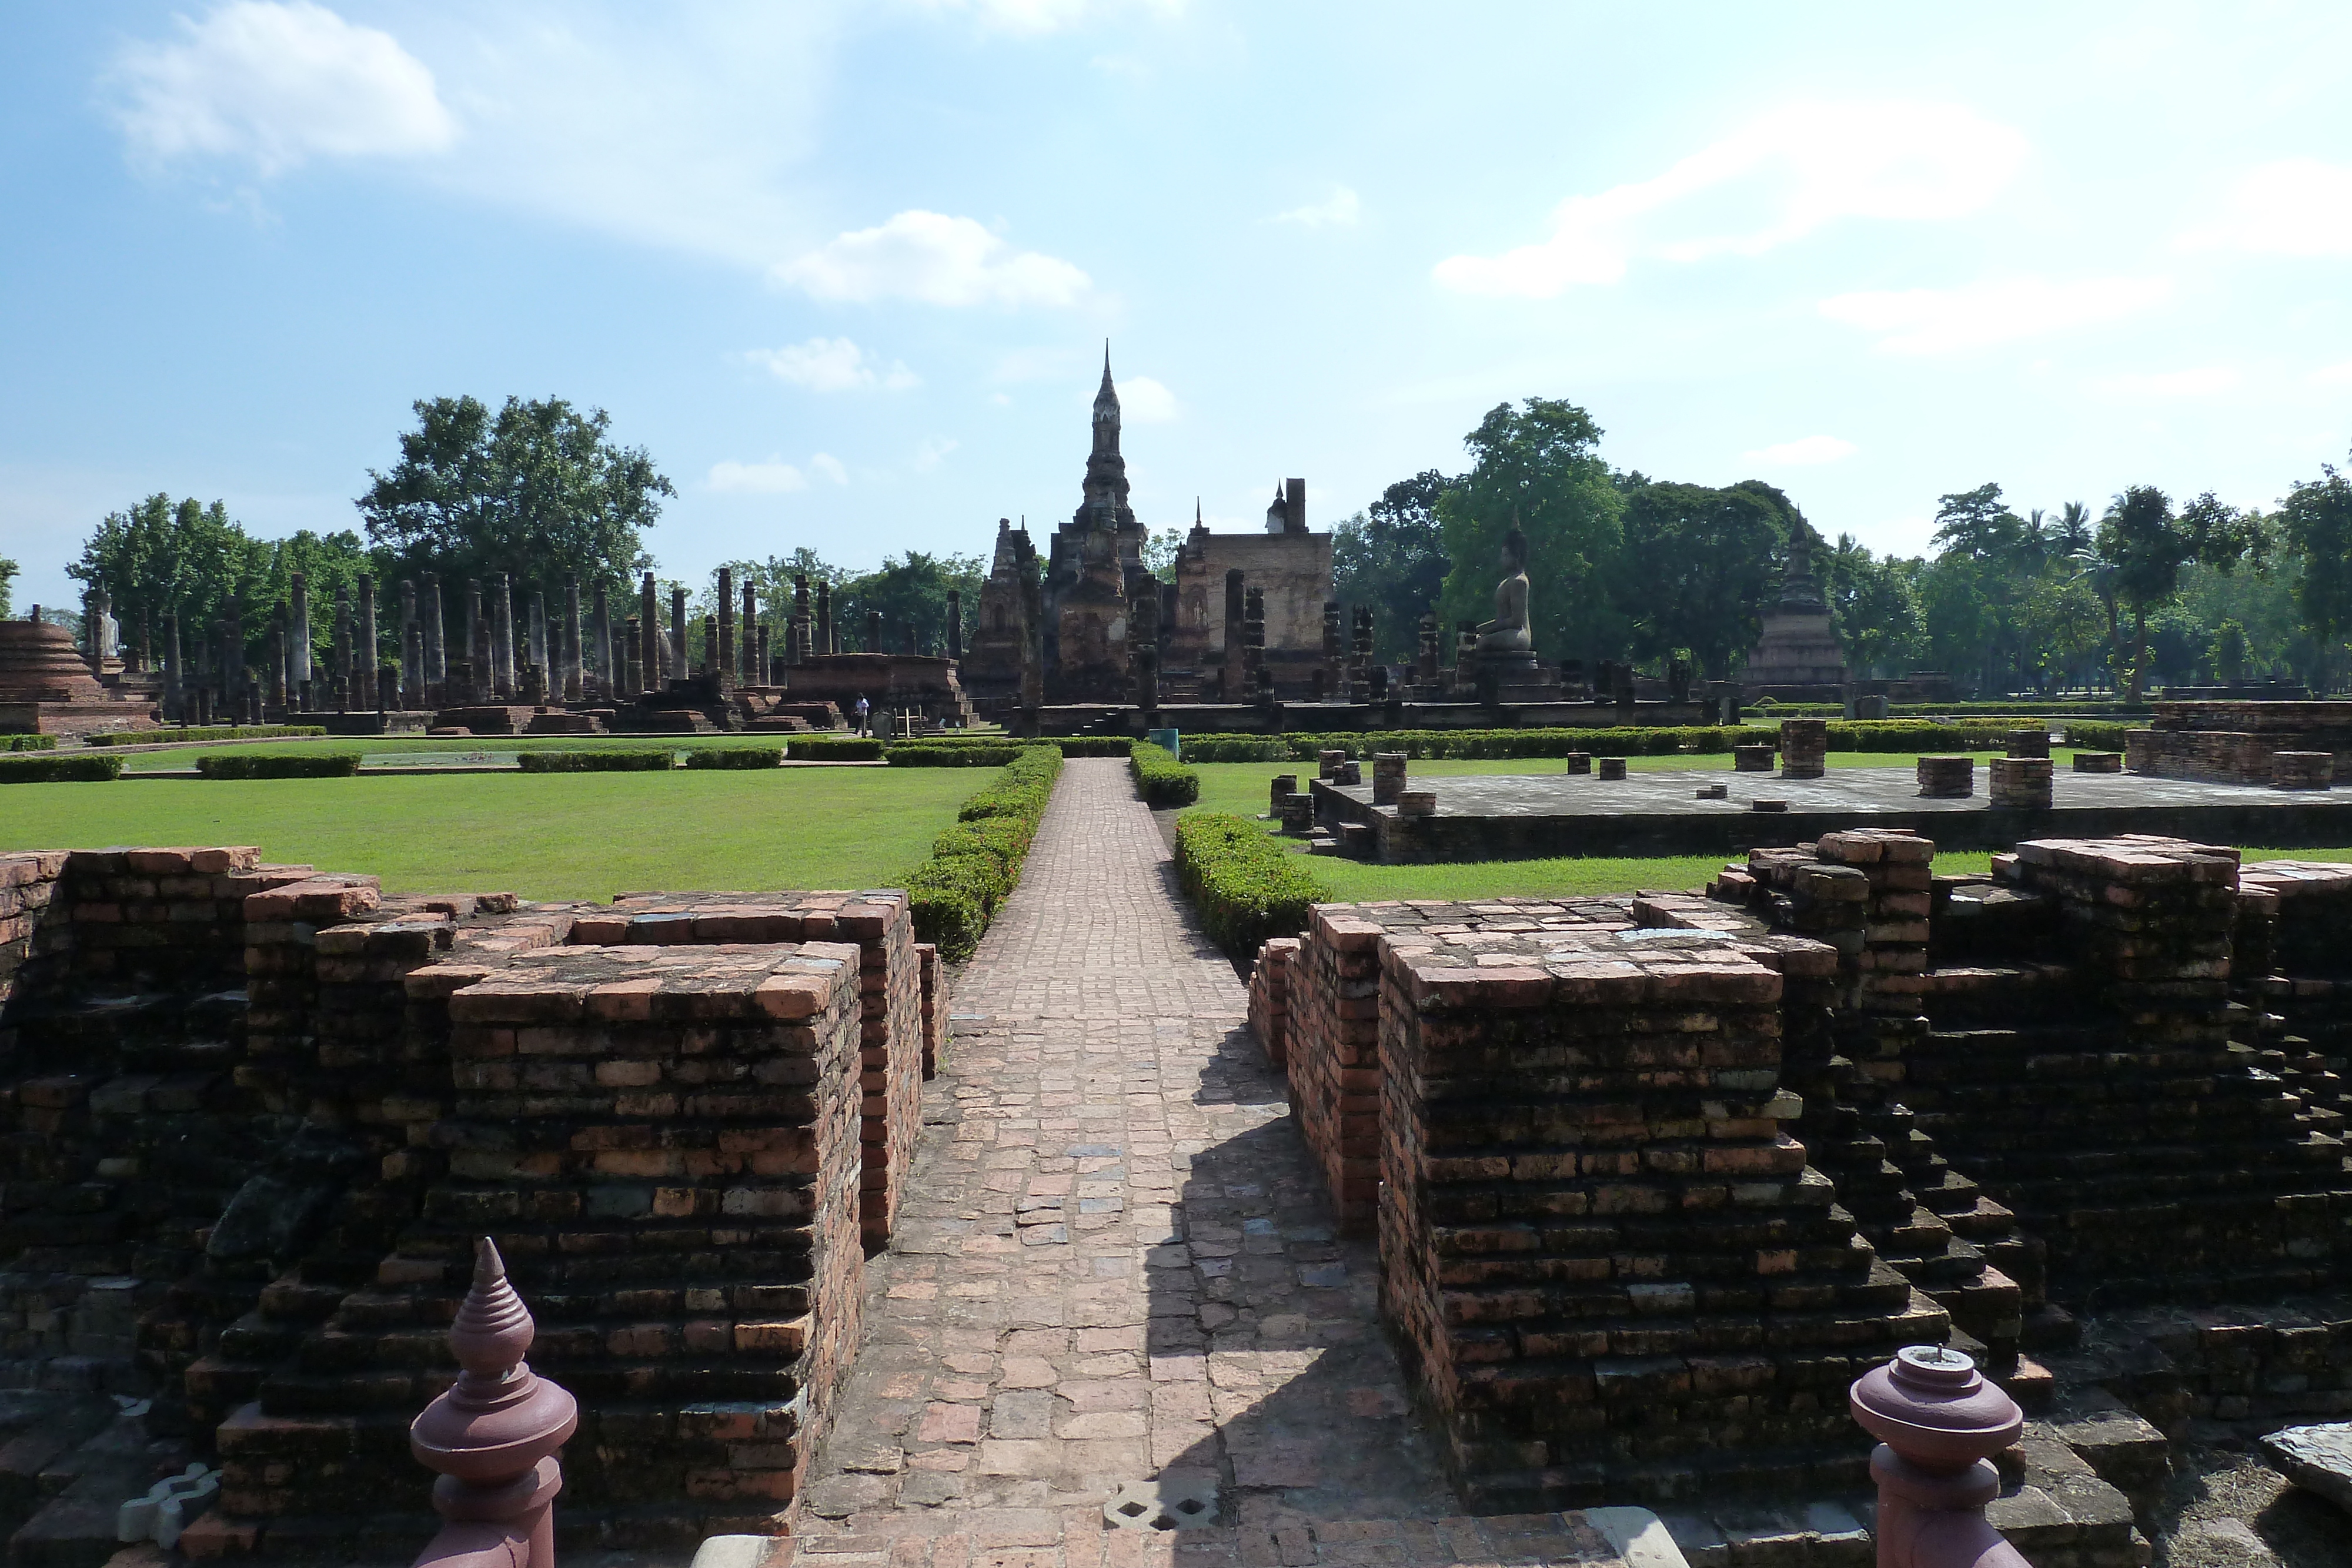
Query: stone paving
point(1114, 1261)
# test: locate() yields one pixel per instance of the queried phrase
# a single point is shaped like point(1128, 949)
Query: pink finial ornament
point(1938, 1424)
point(494, 1434)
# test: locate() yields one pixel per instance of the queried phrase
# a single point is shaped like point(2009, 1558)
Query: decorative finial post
point(494, 1434)
point(1938, 1423)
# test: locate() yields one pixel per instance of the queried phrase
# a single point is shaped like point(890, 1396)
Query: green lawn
point(502, 747)
point(563, 835)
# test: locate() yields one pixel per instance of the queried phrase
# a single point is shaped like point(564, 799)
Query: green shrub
point(975, 864)
point(29, 743)
point(834, 748)
point(1239, 747)
point(52, 769)
point(325, 765)
point(2094, 734)
point(1161, 780)
point(929, 754)
point(630, 759)
point(1246, 886)
point(203, 732)
point(735, 756)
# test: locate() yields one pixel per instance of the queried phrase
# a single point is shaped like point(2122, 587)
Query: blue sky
point(846, 270)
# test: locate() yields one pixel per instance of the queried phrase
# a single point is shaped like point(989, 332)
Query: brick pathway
point(1114, 1261)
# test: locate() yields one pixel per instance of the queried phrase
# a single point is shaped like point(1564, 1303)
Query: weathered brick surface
point(1269, 998)
point(936, 1006)
point(1612, 1269)
point(663, 1140)
point(2235, 742)
point(891, 995)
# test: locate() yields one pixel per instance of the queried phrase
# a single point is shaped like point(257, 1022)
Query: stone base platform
point(1526, 816)
point(397, 721)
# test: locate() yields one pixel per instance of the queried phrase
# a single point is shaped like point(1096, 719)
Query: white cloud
point(2299, 206)
point(830, 467)
point(275, 84)
point(932, 453)
point(1143, 401)
point(1814, 163)
point(2208, 381)
point(1805, 452)
point(1338, 210)
point(937, 260)
point(833, 365)
point(1037, 16)
point(773, 477)
point(1949, 320)
point(2332, 375)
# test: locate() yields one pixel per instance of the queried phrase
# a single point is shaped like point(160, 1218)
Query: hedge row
point(1246, 886)
point(1159, 777)
point(1069, 745)
point(50, 768)
point(927, 753)
point(735, 756)
point(2095, 736)
point(975, 864)
point(323, 764)
point(203, 732)
point(834, 748)
point(631, 759)
point(1600, 741)
point(29, 743)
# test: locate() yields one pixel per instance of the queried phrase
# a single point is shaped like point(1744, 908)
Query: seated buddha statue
point(1507, 632)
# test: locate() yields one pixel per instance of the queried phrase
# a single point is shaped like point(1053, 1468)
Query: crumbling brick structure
point(1269, 998)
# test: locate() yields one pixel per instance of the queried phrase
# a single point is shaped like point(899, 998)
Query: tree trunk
point(2139, 650)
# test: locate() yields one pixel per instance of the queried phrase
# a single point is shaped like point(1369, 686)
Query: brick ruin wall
point(2234, 742)
point(2110, 1071)
point(253, 1115)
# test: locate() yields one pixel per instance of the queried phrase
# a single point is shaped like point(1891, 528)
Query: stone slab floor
point(1114, 1261)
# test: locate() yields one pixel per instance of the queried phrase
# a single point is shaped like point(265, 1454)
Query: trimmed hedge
point(328, 765)
point(974, 865)
point(1424, 744)
point(175, 733)
point(633, 759)
point(1159, 779)
point(735, 756)
point(1069, 745)
point(48, 768)
point(2094, 736)
point(834, 748)
point(29, 743)
point(1245, 884)
point(926, 754)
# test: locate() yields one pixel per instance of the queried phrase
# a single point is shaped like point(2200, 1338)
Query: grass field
point(566, 835)
point(182, 756)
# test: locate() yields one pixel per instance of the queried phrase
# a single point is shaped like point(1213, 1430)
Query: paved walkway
point(1114, 1261)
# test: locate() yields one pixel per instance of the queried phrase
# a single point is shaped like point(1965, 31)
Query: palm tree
point(2072, 533)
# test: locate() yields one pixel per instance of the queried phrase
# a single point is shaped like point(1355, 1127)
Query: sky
point(847, 270)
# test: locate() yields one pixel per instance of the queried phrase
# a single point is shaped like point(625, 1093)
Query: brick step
point(653, 1299)
point(2128, 1186)
point(648, 1257)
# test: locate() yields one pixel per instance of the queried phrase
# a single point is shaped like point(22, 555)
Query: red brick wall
point(1269, 998)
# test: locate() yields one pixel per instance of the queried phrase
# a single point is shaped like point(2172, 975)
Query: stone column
point(761, 658)
point(502, 638)
point(711, 662)
point(874, 631)
point(629, 658)
point(752, 674)
point(1234, 669)
point(276, 695)
point(344, 683)
point(607, 685)
point(955, 624)
point(536, 636)
point(412, 648)
point(796, 636)
point(575, 685)
point(825, 619)
point(297, 636)
point(721, 650)
point(175, 695)
point(364, 639)
point(477, 644)
point(677, 633)
point(649, 659)
point(435, 680)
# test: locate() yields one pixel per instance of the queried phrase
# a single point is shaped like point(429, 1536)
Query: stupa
point(46, 687)
point(1797, 657)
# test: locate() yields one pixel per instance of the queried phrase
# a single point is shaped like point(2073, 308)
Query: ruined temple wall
point(1294, 569)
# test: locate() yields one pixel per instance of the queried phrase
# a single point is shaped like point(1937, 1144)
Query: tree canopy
point(538, 490)
point(1392, 556)
point(1537, 466)
point(2315, 519)
point(8, 570)
point(1696, 567)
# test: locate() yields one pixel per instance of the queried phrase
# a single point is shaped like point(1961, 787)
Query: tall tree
point(1392, 556)
point(1871, 606)
point(1696, 567)
point(2315, 521)
point(160, 557)
point(1537, 464)
point(2147, 546)
point(1979, 525)
point(538, 490)
point(8, 570)
point(2072, 532)
point(911, 592)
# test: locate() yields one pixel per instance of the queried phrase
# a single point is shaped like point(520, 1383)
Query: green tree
point(2060, 620)
point(1160, 550)
point(1957, 618)
point(1536, 465)
point(2315, 521)
point(2148, 545)
point(911, 592)
point(2073, 533)
point(1392, 556)
point(158, 558)
point(1979, 524)
point(8, 570)
point(1872, 607)
point(537, 490)
point(1696, 568)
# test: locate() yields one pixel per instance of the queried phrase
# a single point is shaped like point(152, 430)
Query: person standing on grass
point(862, 711)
